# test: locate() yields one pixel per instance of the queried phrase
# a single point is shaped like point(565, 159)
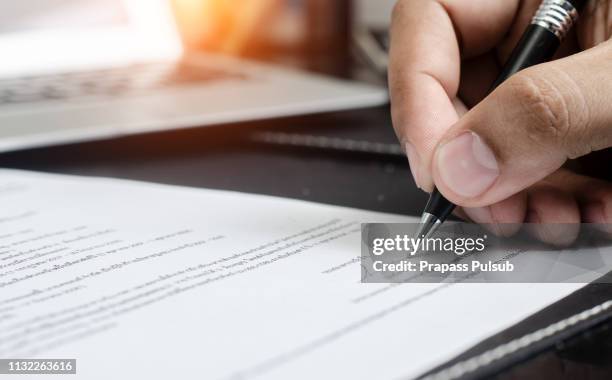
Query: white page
point(169, 282)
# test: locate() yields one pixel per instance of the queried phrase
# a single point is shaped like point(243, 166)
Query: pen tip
point(428, 226)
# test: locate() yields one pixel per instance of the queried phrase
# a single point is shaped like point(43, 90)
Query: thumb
point(527, 128)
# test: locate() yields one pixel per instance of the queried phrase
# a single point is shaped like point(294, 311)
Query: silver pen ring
point(558, 16)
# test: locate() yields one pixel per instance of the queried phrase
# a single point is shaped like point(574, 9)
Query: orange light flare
point(222, 25)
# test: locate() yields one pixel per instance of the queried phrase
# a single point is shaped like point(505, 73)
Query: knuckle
point(398, 120)
point(544, 107)
point(398, 11)
point(403, 125)
point(555, 110)
point(403, 9)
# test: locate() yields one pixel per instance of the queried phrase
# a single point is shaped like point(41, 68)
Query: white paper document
point(145, 281)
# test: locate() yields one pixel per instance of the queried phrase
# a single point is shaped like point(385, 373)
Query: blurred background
point(53, 14)
point(321, 35)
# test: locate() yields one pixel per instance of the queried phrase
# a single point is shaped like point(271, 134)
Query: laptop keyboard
point(106, 82)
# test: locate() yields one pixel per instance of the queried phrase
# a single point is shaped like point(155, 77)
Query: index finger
point(428, 39)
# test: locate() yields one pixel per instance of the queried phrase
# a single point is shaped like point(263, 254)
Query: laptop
point(79, 70)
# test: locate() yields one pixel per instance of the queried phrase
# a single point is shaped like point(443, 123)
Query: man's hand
point(500, 157)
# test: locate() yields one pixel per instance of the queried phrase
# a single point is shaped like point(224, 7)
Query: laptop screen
point(48, 35)
point(25, 15)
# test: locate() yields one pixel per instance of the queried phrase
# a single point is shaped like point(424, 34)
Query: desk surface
point(228, 158)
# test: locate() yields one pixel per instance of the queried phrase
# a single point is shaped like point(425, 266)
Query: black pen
point(549, 26)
